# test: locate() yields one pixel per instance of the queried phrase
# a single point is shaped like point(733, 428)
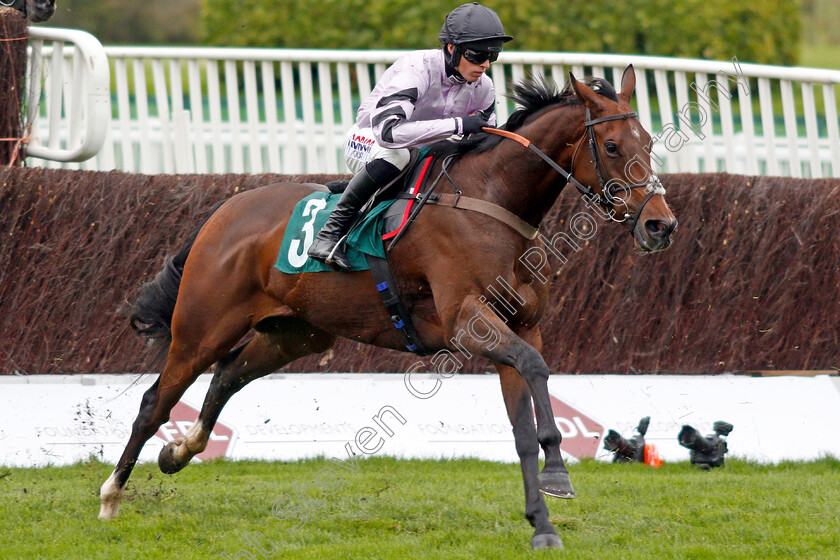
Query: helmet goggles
point(476, 56)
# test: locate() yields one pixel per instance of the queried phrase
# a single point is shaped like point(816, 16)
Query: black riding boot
point(361, 187)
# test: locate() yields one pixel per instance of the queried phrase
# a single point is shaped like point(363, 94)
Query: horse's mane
point(532, 95)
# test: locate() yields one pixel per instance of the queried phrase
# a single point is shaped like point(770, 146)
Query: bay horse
point(223, 284)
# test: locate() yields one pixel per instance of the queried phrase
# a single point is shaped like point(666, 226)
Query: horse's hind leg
point(154, 410)
point(184, 363)
point(289, 340)
point(111, 491)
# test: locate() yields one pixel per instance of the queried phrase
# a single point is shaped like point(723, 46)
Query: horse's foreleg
point(264, 354)
point(482, 332)
point(554, 478)
point(478, 330)
point(518, 403)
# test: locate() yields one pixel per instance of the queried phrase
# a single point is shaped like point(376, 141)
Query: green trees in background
point(766, 31)
point(821, 21)
point(152, 22)
point(757, 31)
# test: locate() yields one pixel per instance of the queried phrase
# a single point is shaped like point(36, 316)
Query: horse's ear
point(584, 92)
point(628, 84)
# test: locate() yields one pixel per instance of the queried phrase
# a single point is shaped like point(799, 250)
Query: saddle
point(404, 188)
point(412, 192)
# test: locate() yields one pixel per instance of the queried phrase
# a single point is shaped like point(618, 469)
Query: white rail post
point(791, 128)
point(748, 129)
point(768, 125)
point(325, 89)
point(307, 98)
point(291, 155)
point(124, 110)
point(164, 116)
point(686, 158)
point(214, 99)
point(498, 71)
point(811, 130)
point(252, 112)
point(142, 100)
point(232, 95)
point(831, 124)
point(92, 95)
point(270, 100)
point(197, 113)
point(663, 94)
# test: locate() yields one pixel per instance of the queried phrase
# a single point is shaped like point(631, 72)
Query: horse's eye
point(611, 148)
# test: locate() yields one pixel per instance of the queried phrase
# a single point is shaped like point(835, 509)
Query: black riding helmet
point(472, 26)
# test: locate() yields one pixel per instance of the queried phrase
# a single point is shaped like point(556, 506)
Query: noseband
point(608, 195)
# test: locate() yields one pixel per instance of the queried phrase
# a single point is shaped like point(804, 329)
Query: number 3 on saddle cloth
point(381, 219)
point(364, 245)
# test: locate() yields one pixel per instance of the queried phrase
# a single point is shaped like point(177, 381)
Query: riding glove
point(473, 124)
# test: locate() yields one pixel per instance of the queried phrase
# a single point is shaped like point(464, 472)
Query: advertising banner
point(64, 419)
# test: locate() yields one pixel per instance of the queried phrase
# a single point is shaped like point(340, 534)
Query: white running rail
point(68, 100)
point(219, 110)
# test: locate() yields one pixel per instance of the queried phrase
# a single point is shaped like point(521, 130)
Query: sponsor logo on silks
point(182, 417)
point(581, 433)
point(359, 146)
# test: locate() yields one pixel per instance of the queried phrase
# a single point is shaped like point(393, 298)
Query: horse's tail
point(150, 315)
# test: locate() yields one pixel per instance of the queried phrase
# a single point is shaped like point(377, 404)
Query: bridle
point(609, 188)
point(605, 198)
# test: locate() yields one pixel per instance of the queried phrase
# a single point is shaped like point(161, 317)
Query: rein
point(607, 196)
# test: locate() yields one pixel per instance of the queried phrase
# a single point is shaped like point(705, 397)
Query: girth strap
point(495, 211)
point(400, 316)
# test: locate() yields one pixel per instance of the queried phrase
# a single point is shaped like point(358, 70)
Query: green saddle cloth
point(309, 216)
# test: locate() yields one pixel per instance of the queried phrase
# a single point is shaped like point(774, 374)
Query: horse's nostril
point(655, 227)
point(660, 228)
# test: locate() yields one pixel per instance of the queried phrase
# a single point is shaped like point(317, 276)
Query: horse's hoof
point(111, 496)
point(558, 485)
point(168, 462)
point(546, 540)
point(109, 510)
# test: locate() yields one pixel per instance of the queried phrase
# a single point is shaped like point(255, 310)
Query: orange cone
point(652, 456)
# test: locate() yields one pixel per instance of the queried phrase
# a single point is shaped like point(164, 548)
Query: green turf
point(427, 509)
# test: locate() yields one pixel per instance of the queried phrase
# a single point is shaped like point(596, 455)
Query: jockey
point(424, 97)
